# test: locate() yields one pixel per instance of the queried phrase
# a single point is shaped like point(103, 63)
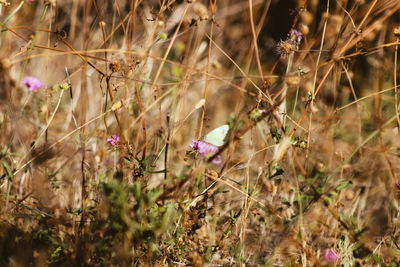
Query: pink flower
point(32, 83)
point(203, 148)
point(206, 150)
point(295, 37)
point(218, 161)
point(330, 255)
point(113, 140)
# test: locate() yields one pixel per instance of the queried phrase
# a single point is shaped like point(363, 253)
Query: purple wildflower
point(113, 140)
point(218, 161)
point(32, 83)
point(206, 150)
point(398, 185)
point(295, 37)
point(330, 255)
point(203, 148)
point(291, 44)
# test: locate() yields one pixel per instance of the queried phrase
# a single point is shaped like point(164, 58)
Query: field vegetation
point(199, 133)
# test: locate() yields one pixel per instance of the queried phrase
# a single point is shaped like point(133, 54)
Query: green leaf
point(343, 185)
point(8, 170)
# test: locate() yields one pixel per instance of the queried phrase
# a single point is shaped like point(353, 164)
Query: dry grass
point(310, 164)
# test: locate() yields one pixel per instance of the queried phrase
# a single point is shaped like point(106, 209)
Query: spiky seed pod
point(284, 48)
point(115, 66)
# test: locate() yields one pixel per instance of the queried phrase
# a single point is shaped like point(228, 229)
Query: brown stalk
point(213, 6)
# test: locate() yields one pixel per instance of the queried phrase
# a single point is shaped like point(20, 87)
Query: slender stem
point(315, 91)
point(283, 105)
point(213, 5)
point(396, 92)
point(166, 148)
point(14, 12)
point(142, 120)
point(253, 31)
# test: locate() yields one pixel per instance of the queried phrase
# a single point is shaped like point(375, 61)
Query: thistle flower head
point(113, 140)
point(330, 255)
point(32, 83)
point(206, 150)
point(203, 148)
point(291, 43)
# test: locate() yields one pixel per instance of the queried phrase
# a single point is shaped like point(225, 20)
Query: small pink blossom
point(113, 140)
point(295, 37)
point(32, 83)
point(330, 255)
point(206, 150)
point(218, 161)
point(203, 148)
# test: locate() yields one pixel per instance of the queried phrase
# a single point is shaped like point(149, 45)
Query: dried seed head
point(291, 43)
point(117, 105)
point(115, 66)
point(161, 24)
point(201, 11)
point(5, 63)
point(370, 36)
point(284, 48)
point(349, 195)
point(141, 54)
point(379, 26)
point(336, 19)
point(213, 175)
point(304, 29)
point(292, 79)
point(396, 32)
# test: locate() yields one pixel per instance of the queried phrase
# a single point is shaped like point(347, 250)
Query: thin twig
point(396, 92)
point(82, 148)
point(166, 148)
point(203, 114)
